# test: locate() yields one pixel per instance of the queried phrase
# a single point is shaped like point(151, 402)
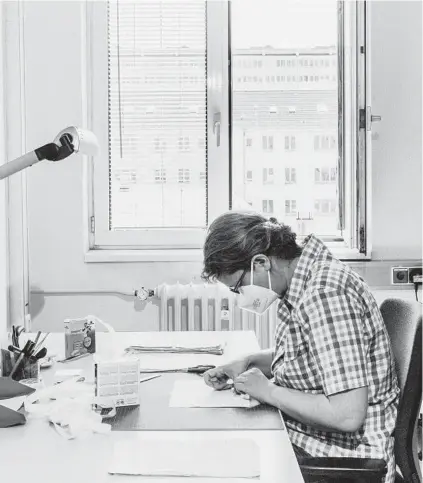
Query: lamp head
point(77, 140)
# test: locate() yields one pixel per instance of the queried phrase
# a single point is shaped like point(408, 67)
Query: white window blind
point(157, 88)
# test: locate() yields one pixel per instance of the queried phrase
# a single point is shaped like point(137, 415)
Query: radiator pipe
point(139, 294)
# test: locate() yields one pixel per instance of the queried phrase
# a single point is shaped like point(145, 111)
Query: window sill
point(128, 256)
point(186, 255)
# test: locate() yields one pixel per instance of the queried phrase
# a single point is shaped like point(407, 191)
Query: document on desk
point(196, 394)
point(212, 458)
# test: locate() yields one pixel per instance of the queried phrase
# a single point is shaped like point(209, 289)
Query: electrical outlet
point(404, 275)
point(399, 275)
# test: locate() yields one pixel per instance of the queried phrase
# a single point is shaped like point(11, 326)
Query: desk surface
point(36, 452)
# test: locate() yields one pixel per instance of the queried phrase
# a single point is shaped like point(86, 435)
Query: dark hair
point(235, 237)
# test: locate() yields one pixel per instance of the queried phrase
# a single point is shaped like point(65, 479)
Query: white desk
point(35, 452)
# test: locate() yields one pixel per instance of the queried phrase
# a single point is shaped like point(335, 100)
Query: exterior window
point(268, 175)
point(268, 206)
point(290, 207)
point(290, 143)
point(290, 175)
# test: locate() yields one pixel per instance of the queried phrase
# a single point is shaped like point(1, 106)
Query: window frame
point(153, 244)
point(218, 191)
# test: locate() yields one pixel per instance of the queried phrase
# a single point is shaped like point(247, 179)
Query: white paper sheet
point(13, 403)
point(196, 394)
point(218, 458)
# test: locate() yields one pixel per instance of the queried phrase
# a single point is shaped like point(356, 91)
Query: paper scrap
point(14, 403)
point(196, 394)
point(218, 458)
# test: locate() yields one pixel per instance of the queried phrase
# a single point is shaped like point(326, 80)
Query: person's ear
point(261, 263)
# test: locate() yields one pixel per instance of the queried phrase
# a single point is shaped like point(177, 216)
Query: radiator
point(208, 307)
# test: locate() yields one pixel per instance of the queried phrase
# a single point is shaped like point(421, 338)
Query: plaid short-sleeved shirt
point(331, 338)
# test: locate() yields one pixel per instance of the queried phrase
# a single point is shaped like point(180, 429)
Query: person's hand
point(218, 377)
point(254, 383)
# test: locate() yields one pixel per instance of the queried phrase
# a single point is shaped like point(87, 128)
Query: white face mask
point(254, 298)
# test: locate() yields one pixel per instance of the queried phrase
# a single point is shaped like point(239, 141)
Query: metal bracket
point(366, 118)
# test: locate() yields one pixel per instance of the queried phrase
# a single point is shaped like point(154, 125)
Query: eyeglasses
point(235, 288)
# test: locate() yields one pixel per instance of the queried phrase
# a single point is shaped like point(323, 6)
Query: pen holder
point(28, 368)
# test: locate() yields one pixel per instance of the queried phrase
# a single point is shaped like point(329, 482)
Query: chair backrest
point(403, 320)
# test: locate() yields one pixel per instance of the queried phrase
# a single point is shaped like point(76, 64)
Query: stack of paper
point(196, 394)
point(213, 458)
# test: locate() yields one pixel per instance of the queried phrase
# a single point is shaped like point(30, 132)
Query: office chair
point(403, 321)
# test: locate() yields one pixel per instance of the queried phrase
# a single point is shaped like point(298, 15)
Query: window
point(290, 175)
point(268, 206)
point(184, 175)
point(324, 207)
point(249, 142)
point(268, 175)
point(267, 143)
point(203, 176)
point(324, 142)
point(249, 176)
point(289, 143)
point(291, 207)
point(151, 126)
point(325, 175)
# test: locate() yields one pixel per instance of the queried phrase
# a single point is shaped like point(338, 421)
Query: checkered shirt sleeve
point(336, 339)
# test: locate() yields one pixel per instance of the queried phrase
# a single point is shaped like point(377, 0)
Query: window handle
point(216, 126)
point(366, 118)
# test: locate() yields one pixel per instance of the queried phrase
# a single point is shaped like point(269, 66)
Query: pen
point(73, 358)
point(42, 341)
point(26, 351)
point(149, 378)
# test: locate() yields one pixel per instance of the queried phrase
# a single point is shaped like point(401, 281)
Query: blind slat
point(157, 113)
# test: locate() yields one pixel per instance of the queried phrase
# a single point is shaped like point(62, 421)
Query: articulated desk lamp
point(70, 140)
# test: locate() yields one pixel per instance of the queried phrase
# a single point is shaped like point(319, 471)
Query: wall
point(56, 193)
point(3, 218)
point(396, 31)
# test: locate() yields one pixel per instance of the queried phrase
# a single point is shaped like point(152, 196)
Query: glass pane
point(157, 113)
point(285, 91)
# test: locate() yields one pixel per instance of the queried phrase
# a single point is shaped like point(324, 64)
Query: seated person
point(332, 368)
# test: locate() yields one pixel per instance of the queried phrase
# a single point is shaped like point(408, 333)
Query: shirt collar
point(313, 249)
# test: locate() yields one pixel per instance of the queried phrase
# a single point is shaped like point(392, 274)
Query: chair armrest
point(333, 467)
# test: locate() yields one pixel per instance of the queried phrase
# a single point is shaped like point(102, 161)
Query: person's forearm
point(312, 409)
point(262, 360)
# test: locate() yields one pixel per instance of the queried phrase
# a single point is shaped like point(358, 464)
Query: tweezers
point(200, 370)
